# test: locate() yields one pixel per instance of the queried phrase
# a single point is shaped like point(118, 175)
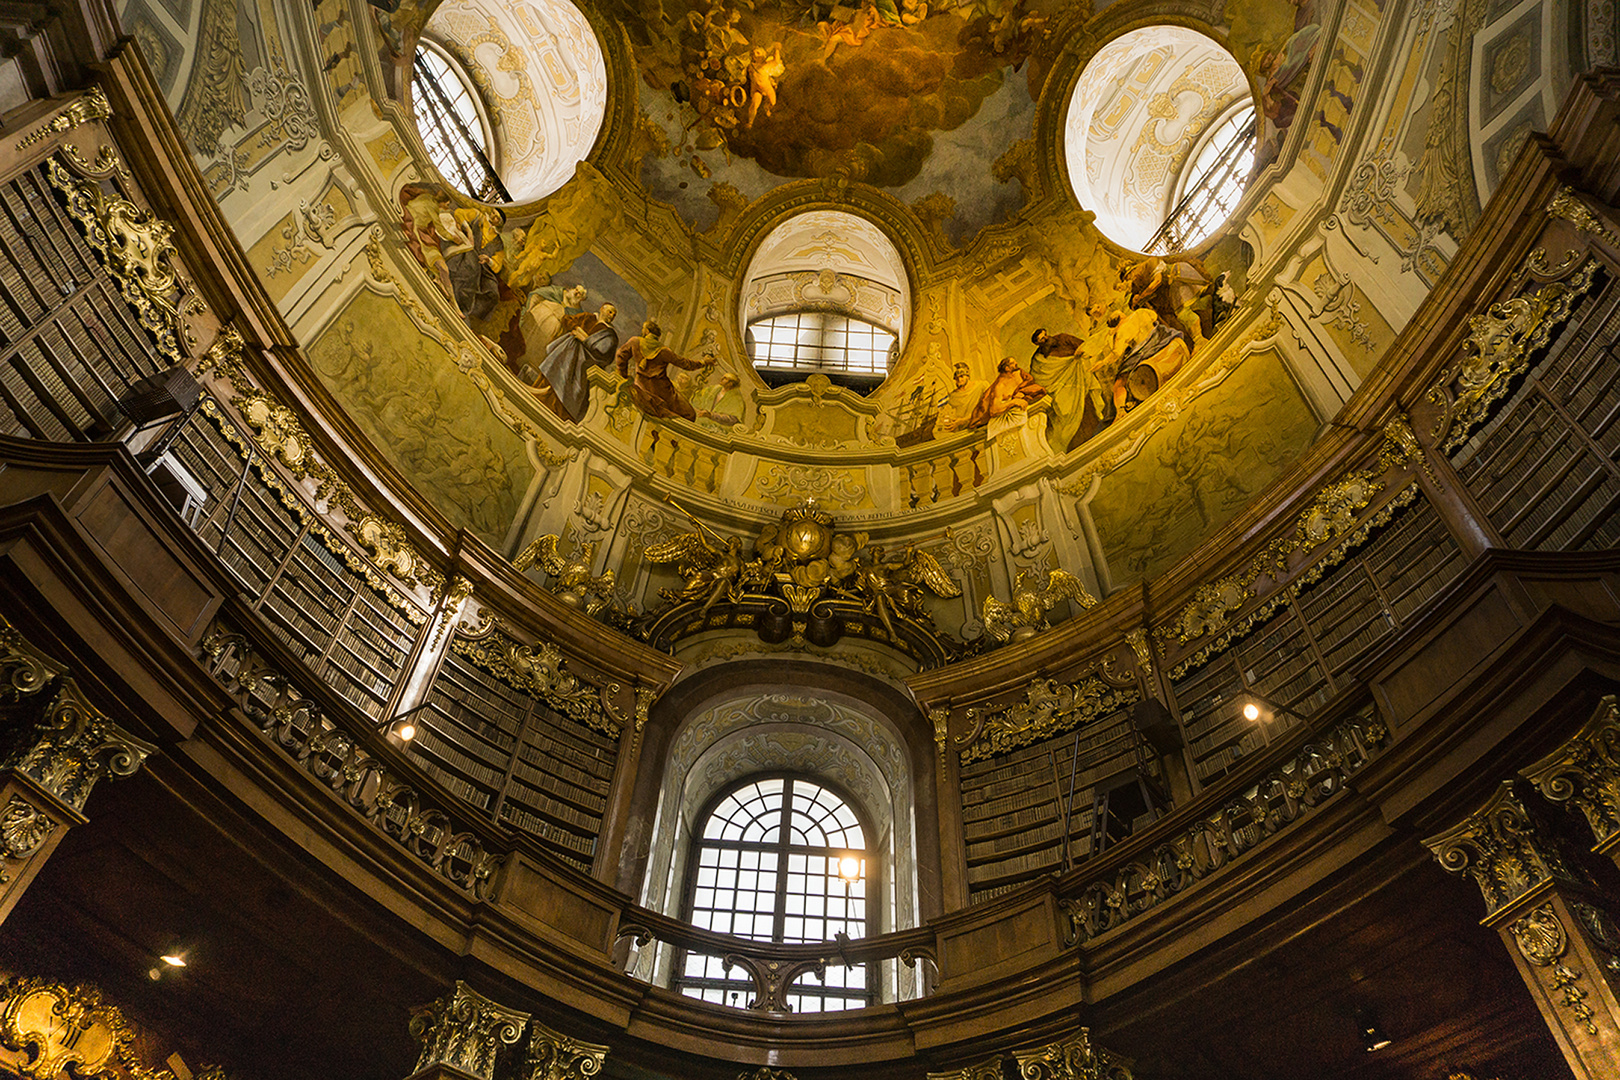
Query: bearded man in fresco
point(646, 361)
point(589, 341)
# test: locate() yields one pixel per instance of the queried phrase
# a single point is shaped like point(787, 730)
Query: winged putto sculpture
point(712, 565)
point(1026, 615)
point(893, 585)
point(570, 575)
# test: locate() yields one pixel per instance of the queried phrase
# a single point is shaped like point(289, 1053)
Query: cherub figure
point(571, 578)
point(712, 565)
point(1025, 616)
point(763, 72)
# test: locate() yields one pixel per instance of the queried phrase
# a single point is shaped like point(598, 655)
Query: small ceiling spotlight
point(174, 960)
point(1372, 1038)
point(1251, 711)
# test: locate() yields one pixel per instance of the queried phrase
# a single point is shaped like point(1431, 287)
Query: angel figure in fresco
point(1025, 616)
point(894, 586)
point(712, 565)
point(589, 340)
point(646, 361)
point(764, 70)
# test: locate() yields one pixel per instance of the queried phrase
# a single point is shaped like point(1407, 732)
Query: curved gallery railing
point(334, 617)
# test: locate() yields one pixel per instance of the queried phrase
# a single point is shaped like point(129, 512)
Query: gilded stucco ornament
point(1074, 1058)
point(1048, 708)
point(137, 251)
point(1211, 606)
point(539, 670)
point(1498, 349)
point(1566, 204)
point(554, 1056)
point(465, 1031)
point(988, 1069)
point(1503, 848)
point(90, 106)
point(1025, 616)
point(1584, 773)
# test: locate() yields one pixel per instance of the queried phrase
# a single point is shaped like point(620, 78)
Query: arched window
point(781, 859)
point(453, 126)
point(1211, 186)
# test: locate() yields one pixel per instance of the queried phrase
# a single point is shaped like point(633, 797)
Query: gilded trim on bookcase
point(1310, 575)
point(134, 246)
point(538, 670)
point(306, 516)
point(87, 107)
point(1500, 343)
point(1049, 708)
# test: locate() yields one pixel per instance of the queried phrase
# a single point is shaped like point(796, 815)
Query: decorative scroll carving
point(1573, 997)
point(225, 359)
point(558, 1057)
point(465, 1031)
point(988, 1069)
point(1503, 848)
point(334, 757)
point(23, 828)
point(1049, 707)
point(1143, 648)
point(390, 548)
point(538, 670)
point(1540, 936)
point(772, 978)
point(1584, 773)
point(1499, 347)
point(1072, 1059)
point(65, 1029)
point(73, 1032)
point(457, 593)
point(68, 745)
point(135, 247)
point(1330, 516)
point(1568, 205)
point(1207, 614)
point(1281, 797)
point(89, 106)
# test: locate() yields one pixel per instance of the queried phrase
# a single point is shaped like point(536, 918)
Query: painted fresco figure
point(588, 341)
point(1141, 341)
point(720, 403)
point(1012, 389)
point(764, 71)
point(646, 361)
point(1080, 408)
point(956, 408)
point(543, 316)
point(474, 260)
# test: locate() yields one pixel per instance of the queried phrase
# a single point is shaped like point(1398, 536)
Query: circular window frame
point(492, 149)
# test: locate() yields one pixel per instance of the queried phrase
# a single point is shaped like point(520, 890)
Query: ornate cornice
point(554, 1056)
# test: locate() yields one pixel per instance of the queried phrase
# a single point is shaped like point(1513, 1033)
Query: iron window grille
point(1216, 179)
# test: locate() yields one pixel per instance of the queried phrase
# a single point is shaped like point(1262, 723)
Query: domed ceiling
point(496, 358)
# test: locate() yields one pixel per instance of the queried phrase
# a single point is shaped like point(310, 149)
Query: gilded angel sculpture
point(571, 577)
point(1026, 615)
point(712, 568)
point(891, 586)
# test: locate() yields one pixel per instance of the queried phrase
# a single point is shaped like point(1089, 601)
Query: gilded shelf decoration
point(389, 548)
point(1075, 1058)
point(553, 1056)
point(539, 670)
point(136, 248)
point(90, 106)
point(1319, 770)
point(1332, 514)
point(23, 828)
point(1211, 605)
point(1048, 708)
point(1566, 204)
point(1539, 935)
point(457, 593)
point(1503, 848)
point(1584, 773)
point(1498, 349)
point(465, 1030)
point(1142, 646)
point(1025, 615)
point(225, 359)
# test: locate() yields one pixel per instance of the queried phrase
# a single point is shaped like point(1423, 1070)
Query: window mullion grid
point(784, 841)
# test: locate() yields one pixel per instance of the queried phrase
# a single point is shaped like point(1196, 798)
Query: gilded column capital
point(465, 1031)
point(1504, 848)
point(69, 746)
point(988, 1069)
point(1072, 1059)
point(1584, 773)
point(553, 1056)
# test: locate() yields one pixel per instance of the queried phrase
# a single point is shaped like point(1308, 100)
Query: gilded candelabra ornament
point(1025, 615)
point(570, 576)
point(553, 1056)
point(465, 1030)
